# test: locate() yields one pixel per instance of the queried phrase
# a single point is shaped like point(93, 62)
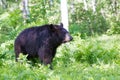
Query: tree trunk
point(3, 4)
point(25, 10)
point(94, 6)
point(50, 2)
point(64, 14)
point(85, 5)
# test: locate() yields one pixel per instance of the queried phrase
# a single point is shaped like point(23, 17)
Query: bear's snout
point(67, 38)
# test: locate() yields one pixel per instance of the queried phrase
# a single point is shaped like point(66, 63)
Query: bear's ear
point(53, 27)
point(61, 24)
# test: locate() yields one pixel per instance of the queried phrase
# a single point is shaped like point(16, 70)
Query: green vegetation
point(90, 59)
point(94, 54)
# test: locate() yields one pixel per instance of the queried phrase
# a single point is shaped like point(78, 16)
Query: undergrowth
point(95, 58)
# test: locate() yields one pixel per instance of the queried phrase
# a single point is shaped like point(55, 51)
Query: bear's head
point(61, 32)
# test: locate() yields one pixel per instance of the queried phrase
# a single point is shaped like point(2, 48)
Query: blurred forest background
point(93, 55)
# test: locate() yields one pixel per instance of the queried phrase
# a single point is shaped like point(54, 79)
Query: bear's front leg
point(47, 60)
point(45, 57)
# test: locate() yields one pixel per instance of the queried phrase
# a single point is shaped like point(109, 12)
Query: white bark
point(64, 14)
point(85, 5)
point(25, 9)
point(3, 3)
point(51, 2)
point(93, 6)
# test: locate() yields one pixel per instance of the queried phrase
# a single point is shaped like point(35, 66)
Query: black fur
point(40, 42)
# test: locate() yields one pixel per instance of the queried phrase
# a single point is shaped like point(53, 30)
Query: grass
point(93, 58)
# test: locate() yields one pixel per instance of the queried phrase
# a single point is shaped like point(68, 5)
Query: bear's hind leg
point(17, 52)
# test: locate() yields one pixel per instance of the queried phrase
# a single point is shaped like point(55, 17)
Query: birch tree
point(85, 5)
point(94, 5)
point(64, 14)
point(25, 10)
point(3, 3)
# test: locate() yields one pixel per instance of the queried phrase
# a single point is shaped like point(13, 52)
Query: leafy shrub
point(90, 58)
point(87, 22)
point(42, 13)
point(115, 28)
point(97, 50)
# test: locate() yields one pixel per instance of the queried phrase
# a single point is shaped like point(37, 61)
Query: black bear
point(41, 42)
